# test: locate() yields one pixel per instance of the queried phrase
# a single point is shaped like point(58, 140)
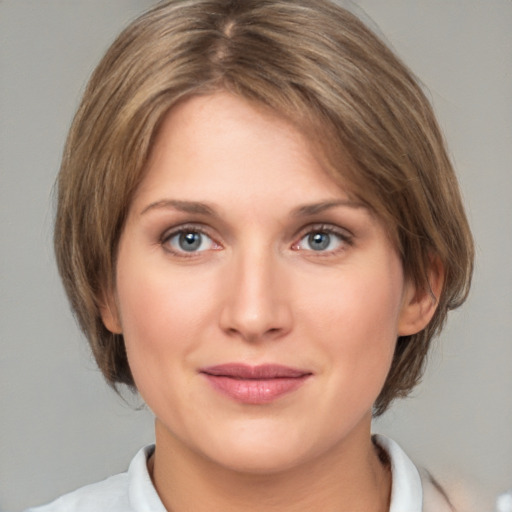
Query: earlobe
point(109, 314)
point(420, 304)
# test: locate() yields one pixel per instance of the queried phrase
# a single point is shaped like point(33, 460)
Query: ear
point(110, 314)
point(420, 303)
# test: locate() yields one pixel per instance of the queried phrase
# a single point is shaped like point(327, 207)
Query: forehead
point(222, 146)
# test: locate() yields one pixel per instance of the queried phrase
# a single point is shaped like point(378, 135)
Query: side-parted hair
point(309, 61)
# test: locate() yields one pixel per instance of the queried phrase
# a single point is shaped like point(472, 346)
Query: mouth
point(255, 384)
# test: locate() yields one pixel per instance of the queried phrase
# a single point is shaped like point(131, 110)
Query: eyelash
point(185, 230)
point(345, 239)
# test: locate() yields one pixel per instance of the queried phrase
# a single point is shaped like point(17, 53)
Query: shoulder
point(110, 494)
point(435, 497)
point(462, 495)
point(126, 492)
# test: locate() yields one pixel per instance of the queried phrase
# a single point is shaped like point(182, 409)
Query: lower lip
point(255, 391)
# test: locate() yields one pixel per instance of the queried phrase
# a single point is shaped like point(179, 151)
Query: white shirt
point(133, 491)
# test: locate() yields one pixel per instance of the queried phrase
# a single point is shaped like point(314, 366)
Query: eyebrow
point(183, 206)
point(315, 208)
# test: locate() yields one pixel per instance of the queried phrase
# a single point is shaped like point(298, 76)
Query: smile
point(255, 384)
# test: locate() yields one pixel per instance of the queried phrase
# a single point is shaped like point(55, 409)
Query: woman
point(260, 230)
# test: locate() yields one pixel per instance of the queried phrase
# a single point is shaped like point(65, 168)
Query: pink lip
point(255, 384)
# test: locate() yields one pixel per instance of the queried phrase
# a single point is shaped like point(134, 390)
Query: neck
point(351, 478)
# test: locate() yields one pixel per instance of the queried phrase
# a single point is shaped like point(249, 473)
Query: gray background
point(61, 427)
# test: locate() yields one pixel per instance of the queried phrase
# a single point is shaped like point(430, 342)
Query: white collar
point(406, 487)
point(141, 492)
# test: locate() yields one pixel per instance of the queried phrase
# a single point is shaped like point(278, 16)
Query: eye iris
point(319, 241)
point(190, 241)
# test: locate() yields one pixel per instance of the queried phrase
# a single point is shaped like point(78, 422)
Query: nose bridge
point(256, 306)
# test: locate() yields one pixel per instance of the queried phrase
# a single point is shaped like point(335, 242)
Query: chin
point(261, 448)
point(258, 460)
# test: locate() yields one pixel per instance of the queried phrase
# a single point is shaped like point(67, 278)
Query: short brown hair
point(308, 60)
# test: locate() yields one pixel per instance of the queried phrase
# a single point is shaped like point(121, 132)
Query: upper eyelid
point(325, 226)
point(188, 226)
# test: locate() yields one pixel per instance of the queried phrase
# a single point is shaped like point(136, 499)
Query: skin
point(257, 290)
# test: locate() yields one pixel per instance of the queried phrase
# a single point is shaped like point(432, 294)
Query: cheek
point(157, 300)
point(145, 309)
point(355, 320)
point(157, 331)
point(160, 315)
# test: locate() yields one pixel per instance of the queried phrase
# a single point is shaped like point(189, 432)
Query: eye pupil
point(190, 241)
point(319, 241)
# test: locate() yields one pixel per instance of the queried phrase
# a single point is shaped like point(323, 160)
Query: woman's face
point(259, 303)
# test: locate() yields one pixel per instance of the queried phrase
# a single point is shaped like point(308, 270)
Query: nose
point(256, 305)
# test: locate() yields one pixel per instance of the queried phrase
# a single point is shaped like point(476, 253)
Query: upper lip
point(262, 371)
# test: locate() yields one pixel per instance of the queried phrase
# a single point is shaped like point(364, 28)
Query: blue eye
point(319, 241)
point(322, 240)
point(189, 241)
